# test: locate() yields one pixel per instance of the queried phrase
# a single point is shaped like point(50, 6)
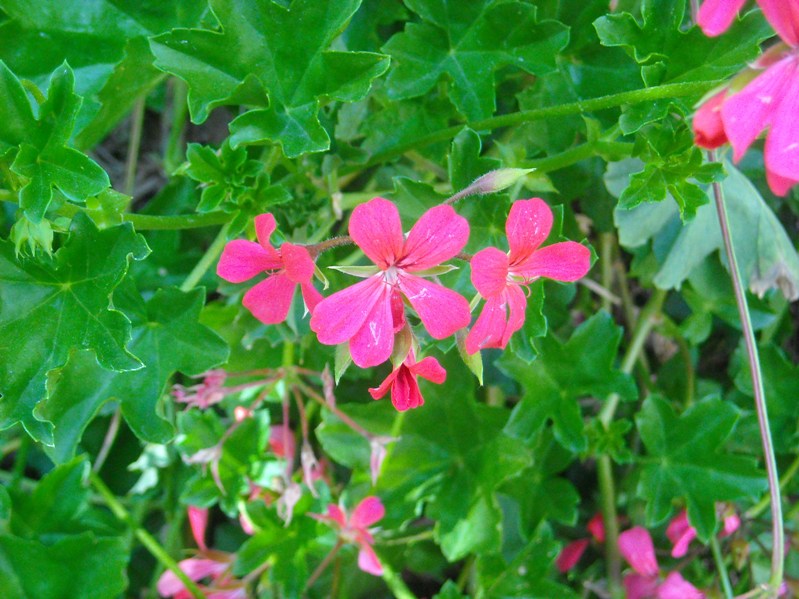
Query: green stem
point(137, 120)
point(606, 262)
point(778, 534)
point(199, 270)
point(394, 582)
point(787, 476)
point(671, 90)
point(149, 222)
point(721, 567)
point(144, 537)
point(173, 153)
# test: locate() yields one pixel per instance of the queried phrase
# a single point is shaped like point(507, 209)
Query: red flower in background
point(402, 381)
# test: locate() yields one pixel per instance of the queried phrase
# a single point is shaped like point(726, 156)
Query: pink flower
point(769, 102)
point(209, 392)
point(499, 277)
point(716, 16)
point(354, 529)
point(681, 533)
point(637, 548)
point(402, 381)
point(571, 553)
point(368, 313)
point(198, 520)
point(282, 442)
point(708, 126)
point(291, 265)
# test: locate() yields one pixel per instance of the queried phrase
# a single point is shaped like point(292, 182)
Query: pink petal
point(570, 555)
point(367, 512)
point(282, 442)
point(779, 185)
point(338, 317)
point(405, 392)
point(676, 587)
point(490, 327)
point(748, 112)
point(246, 525)
point(368, 562)
point(380, 392)
point(376, 228)
point(708, 126)
point(442, 310)
point(242, 260)
point(265, 225)
point(731, 524)
point(194, 568)
point(528, 225)
point(372, 343)
point(716, 16)
point(636, 547)
point(783, 15)
point(437, 236)
point(334, 515)
point(270, 300)
point(429, 368)
point(680, 533)
point(310, 296)
point(198, 520)
point(237, 593)
point(298, 263)
point(782, 143)
point(489, 271)
point(517, 305)
point(640, 587)
point(566, 261)
point(596, 526)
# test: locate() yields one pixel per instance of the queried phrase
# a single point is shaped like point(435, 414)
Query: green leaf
point(168, 338)
point(564, 373)
point(686, 461)
point(269, 54)
point(43, 160)
point(468, 42)
point(50, 308)
point(105, 41)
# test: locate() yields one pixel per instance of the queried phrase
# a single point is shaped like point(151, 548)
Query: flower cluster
point(370, 315)
point(765, 97)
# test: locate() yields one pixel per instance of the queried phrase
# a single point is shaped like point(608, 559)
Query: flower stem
point(721, 567)
point(778, 534)
point(144, 537)
point(208, 258)
point(134, 143)
point(787, 476)
point(394, 582)
point(323, 564)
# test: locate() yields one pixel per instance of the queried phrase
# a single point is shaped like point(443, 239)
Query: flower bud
point(492, 182)
point(35, 235)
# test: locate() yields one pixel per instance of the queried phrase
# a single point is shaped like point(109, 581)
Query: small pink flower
point(368, 314)
point(402, 381)
point(282, 442)
point(708, 126)
point(354, 529)
point(209, 392)
point(681, 533)
point(596, 526)
point(571, 554)
point(198, 520)
point(291, 265)
point(499, 277)
point(769, 102)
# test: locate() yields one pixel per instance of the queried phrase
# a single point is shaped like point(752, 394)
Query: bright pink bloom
point(681, 533)
point(571, 554)
point(499, 277)
point(708, 126)
point(769, 102)
point(596, 526)
point(368, 313)
point(676, 587)
point(291, 265)
point(354, 529)
point(716, 16)
point(402, 381)
point(636, 547)
point(198, 520)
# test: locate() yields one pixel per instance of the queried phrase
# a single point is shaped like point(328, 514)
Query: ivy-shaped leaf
point(469, 41)
point(271, 55)
point(49, 308)
point(168, 338)
point(38, 144)
point(685, 461)
point(564, 373)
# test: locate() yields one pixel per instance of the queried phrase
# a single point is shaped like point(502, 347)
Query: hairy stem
point(778, 534)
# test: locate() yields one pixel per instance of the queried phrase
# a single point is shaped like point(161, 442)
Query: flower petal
point(265, 225)
point(708, 126)
point(783, 16)
point(640, 587)
point(376, 228)
point(596, 526)
point(242, 260)
point(198, 520)
point(570, 555)
point(748, 112)
point(528, 225)
point(517, 308)
point(489, 271)
point(270, 300)
point(782, 143)
point(405, 392)
point(368, 562)
point(372, 343)
point(367, 512)
point(194, 568)
point(310, 296)
point(676, 587)
point(636, 547)
point(442, 310)
point(429, 368)
point(779, 185)
point(566, 261)
point(436, 237)
point(716, 16)
point(297, 262)
point(338, 317)
point(380, 392)
point(490, 326)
